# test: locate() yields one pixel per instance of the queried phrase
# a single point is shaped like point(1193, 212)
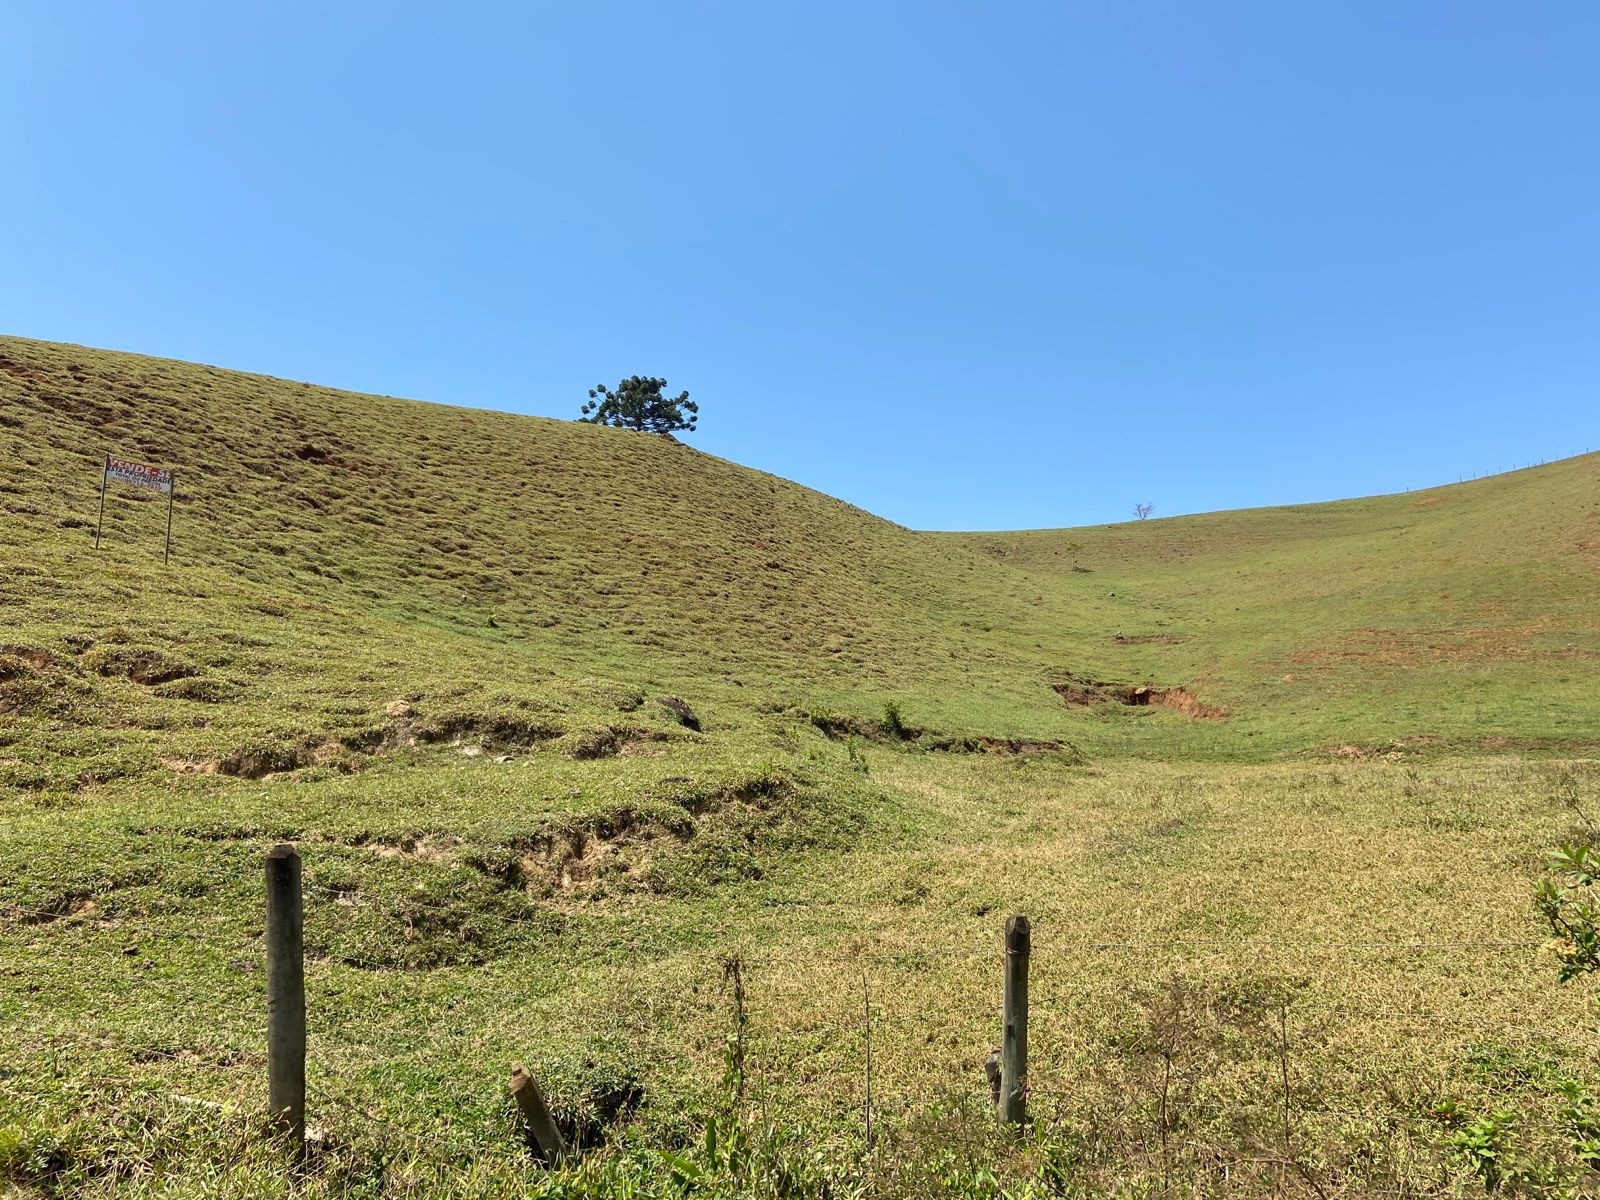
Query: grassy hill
point(1462, 614)
point(335, 552)
point(1306, 756)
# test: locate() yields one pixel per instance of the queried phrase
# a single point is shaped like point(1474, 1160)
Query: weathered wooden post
point(1014, 1035)
point(286, 997)
point(544, 1139)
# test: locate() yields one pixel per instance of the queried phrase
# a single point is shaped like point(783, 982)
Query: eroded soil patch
point(843, 726)
point(428, 900)
point(141, 664)
point(607, 741)
point(468, 733)
point(73, 904)
point(996, 745)
point(257, 762)
point(430, 848)
point(1079, 692)
point(32, 657)
point(492, 731)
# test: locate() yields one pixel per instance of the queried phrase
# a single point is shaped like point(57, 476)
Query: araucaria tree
point(638, 403)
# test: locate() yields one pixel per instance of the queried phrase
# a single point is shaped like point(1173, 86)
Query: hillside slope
point(335, 552)
point(456, 517)
point(1468, 613)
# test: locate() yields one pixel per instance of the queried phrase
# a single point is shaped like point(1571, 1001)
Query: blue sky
point(966, 265)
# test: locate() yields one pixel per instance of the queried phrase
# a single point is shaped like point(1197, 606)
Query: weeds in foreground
point(1494, 1145)
point(1565, 898)
point(1564, 1163)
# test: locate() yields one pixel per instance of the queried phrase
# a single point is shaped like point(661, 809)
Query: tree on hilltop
point(638, 403)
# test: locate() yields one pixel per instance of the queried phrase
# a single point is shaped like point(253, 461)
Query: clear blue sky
point(969, 265)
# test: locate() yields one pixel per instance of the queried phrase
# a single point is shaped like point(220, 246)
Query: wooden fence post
point(543, 1137)
point(286, 997)
point(1014, 1037)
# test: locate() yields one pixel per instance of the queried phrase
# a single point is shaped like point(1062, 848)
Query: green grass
point(429, 645)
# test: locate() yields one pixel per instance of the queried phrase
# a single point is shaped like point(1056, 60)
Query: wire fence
point(872, 1033)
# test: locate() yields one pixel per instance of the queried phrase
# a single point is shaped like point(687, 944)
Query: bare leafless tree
point(1143, 509)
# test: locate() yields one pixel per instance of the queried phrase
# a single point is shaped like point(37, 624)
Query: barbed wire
point(1052, 997)
point(48, 920)
point(1275, 1108)
point(336, 1112)
point(51, 914)
point(997, 949)
point(349, 900)
point(135, 1053)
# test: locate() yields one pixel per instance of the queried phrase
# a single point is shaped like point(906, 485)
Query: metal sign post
point(172, 491)
point(105, 475)
point(152, 479)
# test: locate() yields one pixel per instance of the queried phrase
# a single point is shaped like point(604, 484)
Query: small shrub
point(894, 723)
point(1567, 904)
point(1487, 1145)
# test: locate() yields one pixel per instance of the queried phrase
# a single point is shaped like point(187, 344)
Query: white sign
point(155, 479)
